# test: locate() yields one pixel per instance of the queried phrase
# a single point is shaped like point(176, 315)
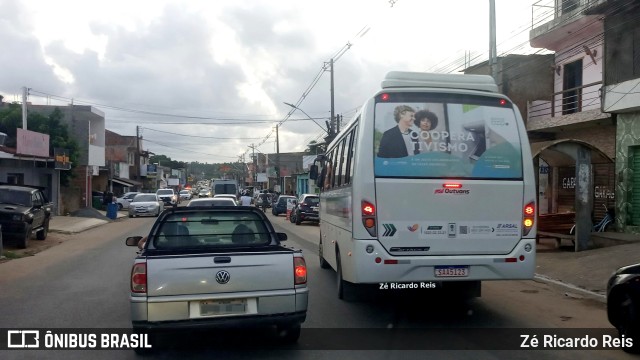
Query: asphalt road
point(83, 283)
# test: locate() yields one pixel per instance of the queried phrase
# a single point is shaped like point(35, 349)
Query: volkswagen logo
point(222, 277)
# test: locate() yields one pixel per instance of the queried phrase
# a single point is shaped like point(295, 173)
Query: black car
point(280, 205)
point(623, 304)
point(306, 209)
point(24, 210)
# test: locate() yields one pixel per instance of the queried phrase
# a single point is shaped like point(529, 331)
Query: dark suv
point(280, 205)
point(23, 211)
point(306, 209)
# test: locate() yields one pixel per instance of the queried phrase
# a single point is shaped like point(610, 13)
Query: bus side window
point(328, 175)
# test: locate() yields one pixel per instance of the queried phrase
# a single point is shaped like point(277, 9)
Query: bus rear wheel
point(344, 287)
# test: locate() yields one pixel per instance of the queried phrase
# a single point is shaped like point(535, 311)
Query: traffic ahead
point(84, 283)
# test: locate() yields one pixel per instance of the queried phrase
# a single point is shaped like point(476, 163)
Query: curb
point(582, 293)
point(71, 232)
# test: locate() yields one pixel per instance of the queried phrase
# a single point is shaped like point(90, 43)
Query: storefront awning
point(126, 182)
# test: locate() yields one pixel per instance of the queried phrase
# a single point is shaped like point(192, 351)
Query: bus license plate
point(223, 307)
point(451, 271)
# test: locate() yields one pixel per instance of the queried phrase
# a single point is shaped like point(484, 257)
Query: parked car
point(218, 266)
point(228, 196)
point(185, 194)
point(212, 202)
point(280, 205)
point(306, 209)
point(146, 205)
point(167, 196)
point(24, 210)
point(204, 193)
point(623, 304)
point(125, 200)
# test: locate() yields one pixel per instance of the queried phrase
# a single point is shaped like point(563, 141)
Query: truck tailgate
point(219, 273)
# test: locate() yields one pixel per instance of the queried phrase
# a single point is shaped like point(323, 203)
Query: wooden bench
point(556, 226)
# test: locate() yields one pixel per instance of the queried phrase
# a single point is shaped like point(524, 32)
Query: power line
point(189, 151)
point(203, 137)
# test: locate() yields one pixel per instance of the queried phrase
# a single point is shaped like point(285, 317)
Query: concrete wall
point(628, 134)
point(522, 78)
point(591, 72)
point(601, 137)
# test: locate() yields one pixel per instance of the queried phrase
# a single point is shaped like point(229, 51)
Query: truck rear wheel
point(289, 334)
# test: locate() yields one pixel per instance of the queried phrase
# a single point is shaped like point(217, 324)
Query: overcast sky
point(216, 73)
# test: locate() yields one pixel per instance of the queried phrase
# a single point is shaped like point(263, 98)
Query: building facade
point(573, 139)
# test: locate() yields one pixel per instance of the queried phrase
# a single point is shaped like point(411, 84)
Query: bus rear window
point(422, 135)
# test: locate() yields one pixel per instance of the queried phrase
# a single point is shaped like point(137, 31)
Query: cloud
point(22, 62)
point(237, 61)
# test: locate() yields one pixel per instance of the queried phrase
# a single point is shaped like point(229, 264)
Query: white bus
point(431, 184)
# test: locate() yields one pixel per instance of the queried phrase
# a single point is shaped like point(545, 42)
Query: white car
point(125, 200)
point(212, 202)
point(226, 196)
point(146, 205)
point(185, 194)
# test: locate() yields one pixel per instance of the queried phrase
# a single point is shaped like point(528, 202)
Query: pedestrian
point(245, 199)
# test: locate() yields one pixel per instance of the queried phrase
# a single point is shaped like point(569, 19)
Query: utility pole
point(278, 158)
point(138, 175)
point(493, 52)
point(255, 164)
point(24, 107)
point(332, 127)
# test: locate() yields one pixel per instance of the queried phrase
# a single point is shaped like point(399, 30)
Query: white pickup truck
point(217, 267)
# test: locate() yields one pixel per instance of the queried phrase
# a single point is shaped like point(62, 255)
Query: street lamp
point(295, 107)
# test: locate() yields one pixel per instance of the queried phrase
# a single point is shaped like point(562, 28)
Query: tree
point(315, 148)
point(11, 119)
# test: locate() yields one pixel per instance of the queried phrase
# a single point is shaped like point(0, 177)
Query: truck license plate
point(452, 271)
point(223, 307)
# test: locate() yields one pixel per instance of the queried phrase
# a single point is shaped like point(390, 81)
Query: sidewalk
point(582, 273)
point(77, 224)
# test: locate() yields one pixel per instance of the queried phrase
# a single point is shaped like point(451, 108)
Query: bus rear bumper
point(379, 266)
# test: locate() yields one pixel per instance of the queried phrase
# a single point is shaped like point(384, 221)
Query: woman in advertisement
point(426, 121)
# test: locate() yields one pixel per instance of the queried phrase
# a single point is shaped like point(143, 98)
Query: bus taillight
point(528, 219)
point(368, 208)
point(369, 217)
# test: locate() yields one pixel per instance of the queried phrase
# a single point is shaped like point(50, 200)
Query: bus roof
point(399, 79)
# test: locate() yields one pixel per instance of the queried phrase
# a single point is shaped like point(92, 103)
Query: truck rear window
point(211, 229)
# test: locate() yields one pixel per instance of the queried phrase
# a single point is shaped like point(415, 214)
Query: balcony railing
point(543, 11)
point(582, 98)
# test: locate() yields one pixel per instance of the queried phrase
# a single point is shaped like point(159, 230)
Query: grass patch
point(12, 255)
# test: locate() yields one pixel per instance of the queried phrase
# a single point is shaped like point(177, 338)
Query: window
point(15, 179)
point(572, 83)
point(352, 144)
point(569, 5)
point(340, 164)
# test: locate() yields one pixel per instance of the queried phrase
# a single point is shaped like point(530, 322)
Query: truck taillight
point(299, 271)
point(528, 218)
point(139, 278)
